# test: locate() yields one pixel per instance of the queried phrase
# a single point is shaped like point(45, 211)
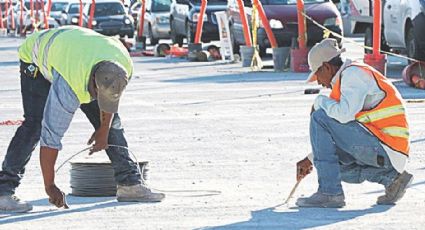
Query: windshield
point(58, 6)
point(288, 2)
point(74, 8)
point(212, 2)
point(37, 5)
point(107, 9)
point(161, 5)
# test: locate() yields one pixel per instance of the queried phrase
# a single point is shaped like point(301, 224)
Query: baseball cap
point(111, 80)
point(322, 52)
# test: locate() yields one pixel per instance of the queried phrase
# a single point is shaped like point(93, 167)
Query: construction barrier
point(200, 22)
point(265, 23)
point(92, 8)
point(299, 61)
point(245, 25)
point(376, 59)
point(141, 19)
point(80, 19)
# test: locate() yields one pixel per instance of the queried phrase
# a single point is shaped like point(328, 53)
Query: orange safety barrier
point(376, 27)
point(46, 22)
point(80, 19)
point(177, 51)
point(200, 23)
point(1, 18)
point(11, 122)
point(92, 7)
point(31, 8)
point(12, 18)
point(49, 8)
point(245, 25)
point(21, 17)
point(142, 19)
point(265, 23)
point(376, 59)
point(302, 35)
point(6, 13)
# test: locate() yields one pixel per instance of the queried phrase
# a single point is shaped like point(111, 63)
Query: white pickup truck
point(403, 24)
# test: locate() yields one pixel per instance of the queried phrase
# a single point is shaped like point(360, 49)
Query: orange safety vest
point(387, 120)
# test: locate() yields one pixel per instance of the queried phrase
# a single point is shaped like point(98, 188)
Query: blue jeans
point(34, 94)
point(346, 152)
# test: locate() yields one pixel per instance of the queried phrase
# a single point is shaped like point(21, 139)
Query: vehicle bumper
point(115, 31)
point(162, 30)
point(284, 36)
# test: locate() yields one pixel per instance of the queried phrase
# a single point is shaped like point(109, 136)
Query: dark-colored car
point(70, 14)
point(56, 9)
point(184, 17)
point(110, 18)
point(282, 16)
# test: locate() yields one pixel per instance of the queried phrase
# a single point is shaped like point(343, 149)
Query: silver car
point(157, 20)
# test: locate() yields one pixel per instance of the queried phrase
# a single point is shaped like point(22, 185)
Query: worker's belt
point(29, 69)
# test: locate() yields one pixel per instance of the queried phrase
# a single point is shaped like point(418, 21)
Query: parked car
point(403, 24)
point(110, 18)
point(71, 14)
point(184, 17)
point(157, 20)
point(27, 22)
point(56, 9)
point(282, 16)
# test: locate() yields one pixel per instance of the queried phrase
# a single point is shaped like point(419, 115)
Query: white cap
point(322, 52)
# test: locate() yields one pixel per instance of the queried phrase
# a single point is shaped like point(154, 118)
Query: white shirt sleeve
point(355, 85)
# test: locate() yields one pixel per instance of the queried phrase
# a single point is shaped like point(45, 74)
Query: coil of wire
point(96, 178)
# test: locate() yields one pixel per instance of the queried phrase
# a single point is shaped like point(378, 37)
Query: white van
point(403, 23)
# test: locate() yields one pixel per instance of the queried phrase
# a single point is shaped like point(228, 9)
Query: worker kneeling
point(61, 70)
point(359, 133)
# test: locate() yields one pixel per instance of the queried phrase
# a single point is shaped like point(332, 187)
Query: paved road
point(222, 141)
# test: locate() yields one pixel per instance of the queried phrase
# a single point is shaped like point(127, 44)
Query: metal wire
point(102, 182)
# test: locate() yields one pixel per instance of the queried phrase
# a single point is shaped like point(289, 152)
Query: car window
point(110, 8)
point(212, 2)
point(161, 5)
point(289, 2)
point(74, 8)
point(58, 6)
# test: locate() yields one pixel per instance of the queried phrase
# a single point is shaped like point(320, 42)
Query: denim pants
point(34, 95)
point(346, 152)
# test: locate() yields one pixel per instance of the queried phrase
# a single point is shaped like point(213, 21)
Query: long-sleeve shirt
point(359, 91)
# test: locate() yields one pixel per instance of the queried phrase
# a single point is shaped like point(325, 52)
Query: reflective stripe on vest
point(387, 120)
point(381, 114)
point(43, 66)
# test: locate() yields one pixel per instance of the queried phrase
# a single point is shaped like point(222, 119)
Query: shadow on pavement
point(248, 77)
point(53, 212)
point(299, 218)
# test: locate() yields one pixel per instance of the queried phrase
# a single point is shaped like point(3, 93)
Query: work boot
point(396, 189)
point(12, 204)
point(137, 193)
point(320, 200)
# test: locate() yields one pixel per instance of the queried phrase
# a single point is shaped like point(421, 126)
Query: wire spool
point(94, 178)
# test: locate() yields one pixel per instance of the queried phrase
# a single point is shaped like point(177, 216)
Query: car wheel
point(176, 39)
point(412, 47)
point(189, 34)
point(153, 40)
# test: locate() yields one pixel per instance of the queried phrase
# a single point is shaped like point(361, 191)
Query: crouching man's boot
point(12, 204)
point(137, 193)
point(320, 200)
point(396, 189)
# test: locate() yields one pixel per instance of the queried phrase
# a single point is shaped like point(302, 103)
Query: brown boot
point(396, 189)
